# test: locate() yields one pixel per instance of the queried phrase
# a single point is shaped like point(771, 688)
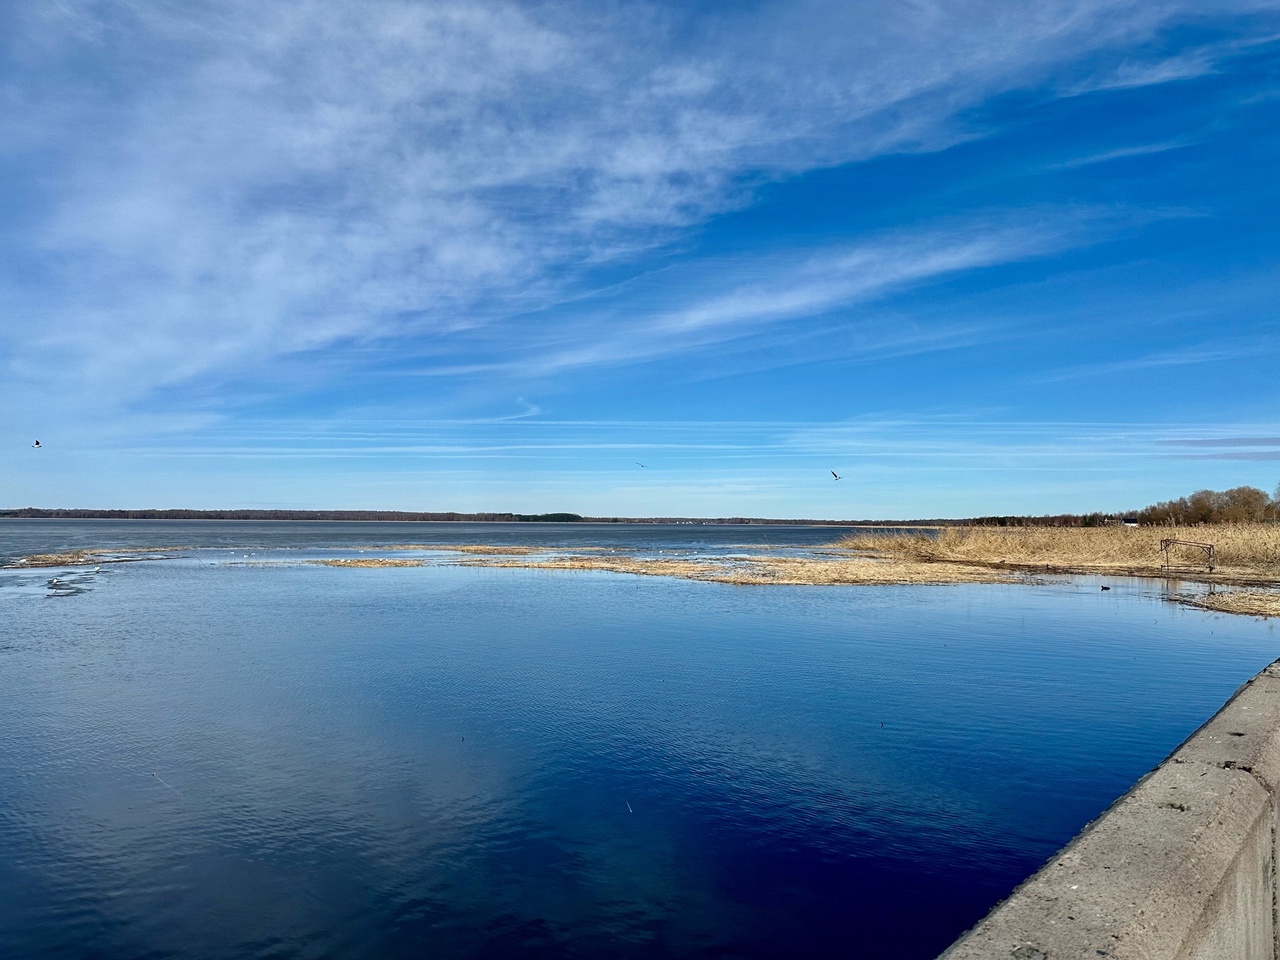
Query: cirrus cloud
point(210, 186)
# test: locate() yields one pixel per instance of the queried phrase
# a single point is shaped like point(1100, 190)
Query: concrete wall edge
point(1181, 867)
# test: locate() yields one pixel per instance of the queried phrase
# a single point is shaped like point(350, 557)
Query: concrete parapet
point(1182, 867)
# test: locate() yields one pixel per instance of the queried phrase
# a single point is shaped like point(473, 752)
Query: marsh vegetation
point(1246, 552)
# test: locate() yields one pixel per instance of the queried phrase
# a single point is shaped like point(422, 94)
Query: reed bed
point(1241, 551)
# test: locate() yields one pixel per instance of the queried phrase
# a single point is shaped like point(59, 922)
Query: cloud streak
point(1124, 153)
point(759, 298)
point(225, 185)
point(1189, 356)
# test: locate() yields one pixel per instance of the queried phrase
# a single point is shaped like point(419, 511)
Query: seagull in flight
point(836, 475)
point(36, 444)
point(639, 464)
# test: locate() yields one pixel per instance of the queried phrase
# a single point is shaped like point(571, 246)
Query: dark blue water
point(204, 759)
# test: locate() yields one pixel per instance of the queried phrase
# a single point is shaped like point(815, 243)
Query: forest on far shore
point(1237, 505)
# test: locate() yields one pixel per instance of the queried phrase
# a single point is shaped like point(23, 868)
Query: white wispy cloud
point(903, 464)
point(1123, 153)
point(223, 184)
point(1229, 448)
point(881, 437)
point(1152, 70)
point(1146, 73)
point(1187, 356)
point(751, 303)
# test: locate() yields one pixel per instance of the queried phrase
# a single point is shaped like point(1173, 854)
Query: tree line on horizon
point(44, 513)
point(1237, 505)
point(40, 513)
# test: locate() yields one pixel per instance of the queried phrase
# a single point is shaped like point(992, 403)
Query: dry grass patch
point(797, 571)
point(369, 562)
point(462, 548)
point(84, 558)
point(1244, 553)
point(72, 558)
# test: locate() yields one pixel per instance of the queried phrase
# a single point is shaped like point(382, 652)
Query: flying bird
point(639, 464)
point(836, 475)
point(36, 444)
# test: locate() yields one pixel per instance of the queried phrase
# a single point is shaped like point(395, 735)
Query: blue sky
point(977, 257)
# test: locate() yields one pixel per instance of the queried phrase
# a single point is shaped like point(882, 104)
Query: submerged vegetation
point(1252, 603)
point(1245, 556)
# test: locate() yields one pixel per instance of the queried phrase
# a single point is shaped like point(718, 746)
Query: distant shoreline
point(401, 516)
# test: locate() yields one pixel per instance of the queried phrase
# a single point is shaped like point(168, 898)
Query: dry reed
point(1242, 552)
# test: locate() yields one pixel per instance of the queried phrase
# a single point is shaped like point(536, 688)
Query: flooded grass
point(1246, 556)
point(1252, 603)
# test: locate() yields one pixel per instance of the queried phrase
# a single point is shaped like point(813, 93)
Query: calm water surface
point(21, 537)
point(206, 757)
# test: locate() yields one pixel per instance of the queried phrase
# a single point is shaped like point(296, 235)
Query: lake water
point(221, 756)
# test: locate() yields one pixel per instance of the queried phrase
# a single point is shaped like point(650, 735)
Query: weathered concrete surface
point(1182, 867)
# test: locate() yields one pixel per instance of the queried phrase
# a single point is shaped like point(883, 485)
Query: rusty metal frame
point(1206, 547)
